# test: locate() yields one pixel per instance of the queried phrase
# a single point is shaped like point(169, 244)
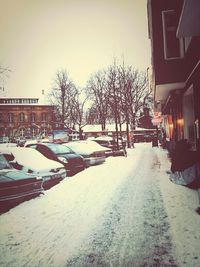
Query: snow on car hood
point(86, 147)
point(31, 158)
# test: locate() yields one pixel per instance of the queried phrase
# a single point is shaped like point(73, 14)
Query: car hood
point(85, 148)
point(32, 159)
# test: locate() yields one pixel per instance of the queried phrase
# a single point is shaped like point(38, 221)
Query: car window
point(59, 149)
point(32, 146)
point(46, 151)
point(4, 163)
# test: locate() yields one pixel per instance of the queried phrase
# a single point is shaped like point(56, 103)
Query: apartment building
point(174, 31)
point(25, 117)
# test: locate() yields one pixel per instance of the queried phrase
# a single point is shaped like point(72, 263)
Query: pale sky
point(40, 37)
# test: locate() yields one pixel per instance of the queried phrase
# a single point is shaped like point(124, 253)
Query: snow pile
point(181, 203)
point(63, 216)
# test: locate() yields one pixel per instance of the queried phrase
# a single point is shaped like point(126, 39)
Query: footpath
point(180, 203)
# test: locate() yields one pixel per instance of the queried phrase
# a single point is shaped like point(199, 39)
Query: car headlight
point(64, 160)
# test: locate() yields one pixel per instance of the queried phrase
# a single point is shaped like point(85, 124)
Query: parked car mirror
point(16, 165)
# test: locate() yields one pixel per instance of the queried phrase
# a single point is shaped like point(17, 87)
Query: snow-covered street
point(122, 213)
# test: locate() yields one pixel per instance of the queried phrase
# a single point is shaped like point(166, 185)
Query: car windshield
point(59, 149)
point(3, 163)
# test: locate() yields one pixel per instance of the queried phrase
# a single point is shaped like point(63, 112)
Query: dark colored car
point(16, 186)
point(73, 162)
point(32, 161)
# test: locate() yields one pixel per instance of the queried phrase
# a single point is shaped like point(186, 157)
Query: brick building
point(25, 117)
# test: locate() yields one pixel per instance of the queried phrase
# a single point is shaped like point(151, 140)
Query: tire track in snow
point(135, 231)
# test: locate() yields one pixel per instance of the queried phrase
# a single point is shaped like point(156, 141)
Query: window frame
point(33, 117)
point(21, 117)
point(44, 116)
point(10, 117)
point(165, 45)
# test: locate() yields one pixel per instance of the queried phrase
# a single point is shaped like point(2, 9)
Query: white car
point(32, 161)
point(92, 152)
point(2, 145)
point(36, 141)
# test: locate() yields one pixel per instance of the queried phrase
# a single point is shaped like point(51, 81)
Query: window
point(173, 46)
point(22, 131)
point(44, 132)
point(33, 117)
point(44, 116)
point(21, 117)
point(10, 117)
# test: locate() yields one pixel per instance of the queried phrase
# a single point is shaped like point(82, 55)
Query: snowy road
point(109, 215)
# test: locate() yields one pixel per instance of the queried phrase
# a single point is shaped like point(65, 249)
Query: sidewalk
point(180, 203)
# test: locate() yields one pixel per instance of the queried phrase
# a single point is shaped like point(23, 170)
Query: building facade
point(174, 31)
point(25, 117)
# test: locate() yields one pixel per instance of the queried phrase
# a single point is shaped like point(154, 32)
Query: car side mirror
point(16, 165)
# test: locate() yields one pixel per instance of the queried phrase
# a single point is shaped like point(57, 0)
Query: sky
point(41, 37)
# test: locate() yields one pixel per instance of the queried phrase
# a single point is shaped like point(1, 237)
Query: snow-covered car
point(31, 161)
point(92, 153)
point(2, 145)
point(72, 161)
point(109, 142)
point(35, 141)
point(16, 186)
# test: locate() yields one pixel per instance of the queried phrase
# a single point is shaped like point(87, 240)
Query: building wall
point(43, 120)
point(188, 114)
point(183, 103)
point(166, 71)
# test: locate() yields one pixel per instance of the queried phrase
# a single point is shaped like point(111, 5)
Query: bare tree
point(125, 85)
point(4, 73)
point(92, 115)
point(114, 97)
point(97, 91)
point(63, 95)
point(134, 93)
point(79, 112)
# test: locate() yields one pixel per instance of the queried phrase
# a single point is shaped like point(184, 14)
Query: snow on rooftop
point(109, 128)
point(41, 99)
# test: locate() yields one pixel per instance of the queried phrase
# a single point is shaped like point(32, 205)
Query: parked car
point(73, 162)
point(21, 141)
point(32, 161)
point(89, 150)
point(2, 145)
point(16, 186)
point(107, 141)
point(34, 141)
